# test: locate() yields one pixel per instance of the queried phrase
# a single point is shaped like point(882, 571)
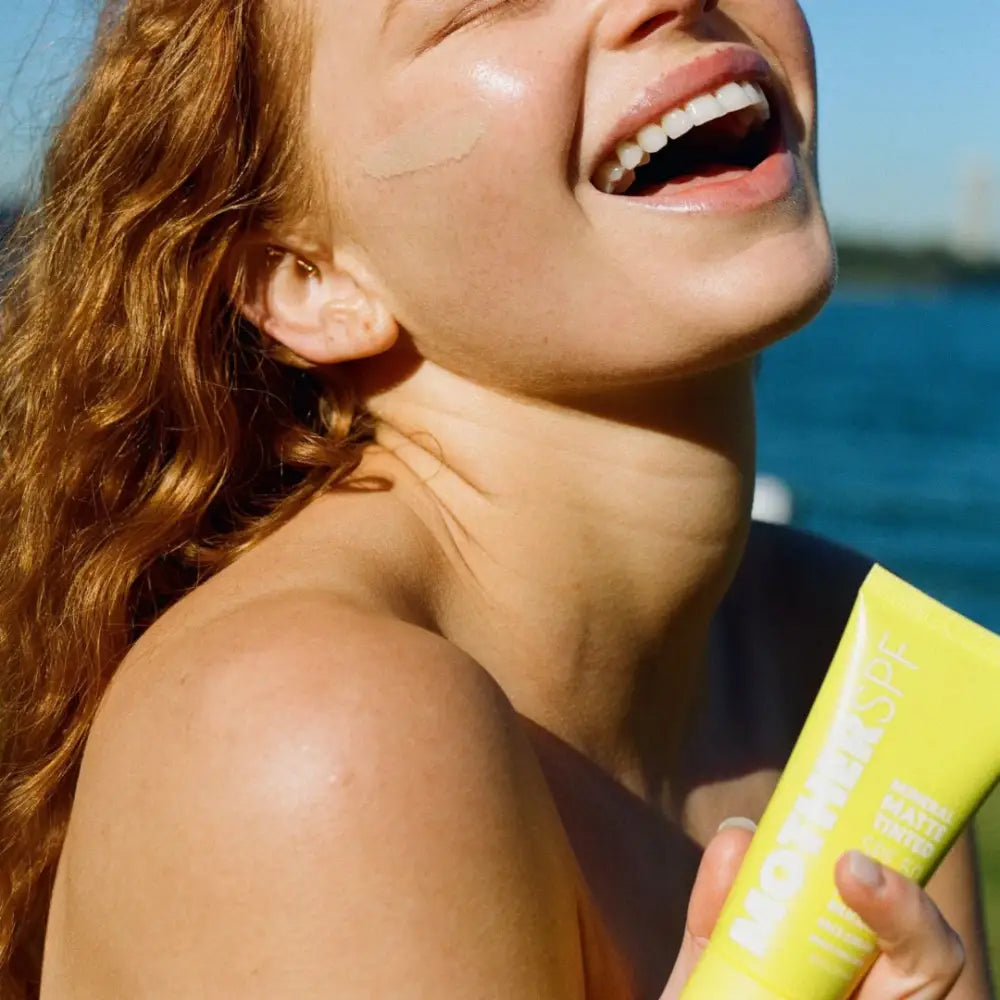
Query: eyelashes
point(488, 11)
point(478, 13)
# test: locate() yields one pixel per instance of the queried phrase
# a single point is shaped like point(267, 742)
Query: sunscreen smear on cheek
point(899, 750)
point(446, 136)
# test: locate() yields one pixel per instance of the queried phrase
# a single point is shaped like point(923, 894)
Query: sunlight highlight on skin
point(500, 82)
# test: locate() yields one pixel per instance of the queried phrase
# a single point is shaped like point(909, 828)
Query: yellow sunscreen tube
point(899, 750)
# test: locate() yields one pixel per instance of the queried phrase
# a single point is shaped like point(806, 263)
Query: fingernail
point(865, 870)
point(737, 823)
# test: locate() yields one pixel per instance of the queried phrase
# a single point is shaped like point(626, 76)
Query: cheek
point(780, 27)
point(433, 141)
point(797, 44)
point(453, 204)
point(464, 238)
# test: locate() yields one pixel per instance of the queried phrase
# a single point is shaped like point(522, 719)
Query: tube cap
point(716, 979)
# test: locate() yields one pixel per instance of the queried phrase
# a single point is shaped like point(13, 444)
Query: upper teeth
point(617, 174)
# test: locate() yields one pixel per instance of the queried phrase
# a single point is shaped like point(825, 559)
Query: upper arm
point(346, 811)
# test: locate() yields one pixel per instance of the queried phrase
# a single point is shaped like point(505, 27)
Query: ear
point(325, 312)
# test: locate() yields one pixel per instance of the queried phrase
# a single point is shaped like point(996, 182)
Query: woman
point(380, 445)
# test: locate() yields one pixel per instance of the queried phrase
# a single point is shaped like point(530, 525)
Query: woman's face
point(463, 141)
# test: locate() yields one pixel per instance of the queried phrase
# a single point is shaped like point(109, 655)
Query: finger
point(716, 874)
point(922, 957)
point(719, 867)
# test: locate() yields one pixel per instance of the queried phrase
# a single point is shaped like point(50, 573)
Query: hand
point(719, 867)
point(921, 956)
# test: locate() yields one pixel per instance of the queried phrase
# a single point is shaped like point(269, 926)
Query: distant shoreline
point(917, 266)
point(862, 263)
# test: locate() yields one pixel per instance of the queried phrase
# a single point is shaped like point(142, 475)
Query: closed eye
point(487, 12)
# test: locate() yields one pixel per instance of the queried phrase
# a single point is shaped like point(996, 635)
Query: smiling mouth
point(730, 129)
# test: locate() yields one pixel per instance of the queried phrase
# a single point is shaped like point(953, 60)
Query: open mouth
point(717, 135)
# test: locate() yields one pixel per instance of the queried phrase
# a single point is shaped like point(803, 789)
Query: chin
point(726, 312)
point(788, 282)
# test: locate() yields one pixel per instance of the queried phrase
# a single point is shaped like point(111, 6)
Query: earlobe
point(322, 312)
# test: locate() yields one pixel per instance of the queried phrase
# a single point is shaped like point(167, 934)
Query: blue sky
point(910, 93)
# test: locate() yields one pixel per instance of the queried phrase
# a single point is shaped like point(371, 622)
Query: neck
point(585, 551)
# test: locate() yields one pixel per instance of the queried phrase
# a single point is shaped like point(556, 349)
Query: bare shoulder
point(305, 799)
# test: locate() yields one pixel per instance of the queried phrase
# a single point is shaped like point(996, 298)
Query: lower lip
point(734, 191)
point(773, 180)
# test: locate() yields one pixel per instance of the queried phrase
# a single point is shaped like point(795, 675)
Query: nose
point(625, 21)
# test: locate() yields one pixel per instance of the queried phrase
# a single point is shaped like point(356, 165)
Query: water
point(884, 418)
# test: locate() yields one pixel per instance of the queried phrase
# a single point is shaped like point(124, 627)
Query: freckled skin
point(515, 215)
point(650, 658)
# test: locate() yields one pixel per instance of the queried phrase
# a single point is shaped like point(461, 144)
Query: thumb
point(716, 874)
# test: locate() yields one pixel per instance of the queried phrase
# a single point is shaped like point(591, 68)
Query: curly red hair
point(149, 435)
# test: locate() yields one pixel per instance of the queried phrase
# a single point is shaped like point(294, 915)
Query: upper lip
point(677, 87)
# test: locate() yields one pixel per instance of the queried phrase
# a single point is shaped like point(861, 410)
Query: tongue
point(710, 172)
